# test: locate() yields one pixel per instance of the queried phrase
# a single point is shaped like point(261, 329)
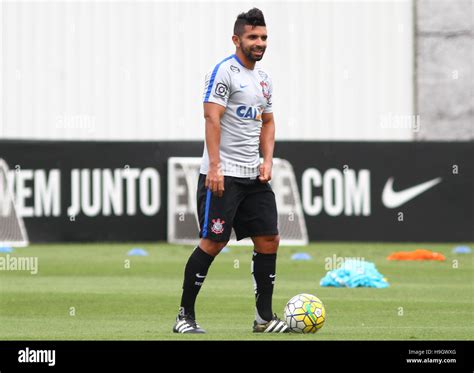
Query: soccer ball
point(305, 313)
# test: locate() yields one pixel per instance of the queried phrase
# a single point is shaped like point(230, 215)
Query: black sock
point(263, 271)
point(194, 274)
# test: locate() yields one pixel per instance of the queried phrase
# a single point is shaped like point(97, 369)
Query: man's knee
point(266, 244)
point(211, 247)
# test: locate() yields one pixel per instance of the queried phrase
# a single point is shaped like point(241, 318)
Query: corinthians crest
point(266, 90)
point(217, 226)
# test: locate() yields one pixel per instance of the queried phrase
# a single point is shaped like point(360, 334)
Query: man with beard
point(233, 189)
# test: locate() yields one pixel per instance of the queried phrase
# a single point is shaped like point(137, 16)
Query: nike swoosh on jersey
point(392, 199)
point(243, 86)
point(198, 275)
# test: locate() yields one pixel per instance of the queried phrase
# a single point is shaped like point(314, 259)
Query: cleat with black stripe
point(187, 324)
point(275, 325)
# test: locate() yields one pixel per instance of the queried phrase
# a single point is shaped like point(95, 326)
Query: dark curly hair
point(254, 17)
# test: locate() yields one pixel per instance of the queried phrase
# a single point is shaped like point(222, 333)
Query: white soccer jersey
point(245, 94)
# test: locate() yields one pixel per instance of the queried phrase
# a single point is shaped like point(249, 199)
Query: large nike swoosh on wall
point(392, 199)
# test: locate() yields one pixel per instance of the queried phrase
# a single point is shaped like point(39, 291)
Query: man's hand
point(215, 180)
point(265, 172)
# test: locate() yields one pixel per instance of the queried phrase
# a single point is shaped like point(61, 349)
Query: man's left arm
point(267, 145)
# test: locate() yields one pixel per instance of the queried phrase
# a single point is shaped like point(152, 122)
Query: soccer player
point(233, 189)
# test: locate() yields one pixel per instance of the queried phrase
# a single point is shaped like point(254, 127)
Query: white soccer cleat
point(187, 324)
point(275, 325)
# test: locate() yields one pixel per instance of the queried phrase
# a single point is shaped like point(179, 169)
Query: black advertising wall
point(67, 156)
point(365, 191)
point(443, 212)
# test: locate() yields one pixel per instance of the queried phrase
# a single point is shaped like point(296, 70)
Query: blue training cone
point(137, 251)
point(462, 250)
point(301, 256)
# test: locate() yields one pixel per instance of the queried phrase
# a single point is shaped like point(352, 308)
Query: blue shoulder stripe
point(213, 77)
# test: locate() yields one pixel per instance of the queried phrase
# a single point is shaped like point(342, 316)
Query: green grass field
point(112, 302)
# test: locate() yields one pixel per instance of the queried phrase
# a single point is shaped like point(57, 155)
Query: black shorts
point(247, 205)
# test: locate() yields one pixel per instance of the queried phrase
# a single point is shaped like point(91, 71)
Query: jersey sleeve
point(269, 106)
point(217, 86)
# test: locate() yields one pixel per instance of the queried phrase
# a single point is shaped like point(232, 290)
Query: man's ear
point(236, 41)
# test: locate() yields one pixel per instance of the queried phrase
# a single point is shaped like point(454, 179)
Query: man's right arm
point(212, 114)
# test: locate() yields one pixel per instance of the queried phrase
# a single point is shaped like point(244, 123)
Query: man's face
point(253, 42)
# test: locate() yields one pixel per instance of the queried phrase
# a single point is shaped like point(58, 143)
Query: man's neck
point(244, 60)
